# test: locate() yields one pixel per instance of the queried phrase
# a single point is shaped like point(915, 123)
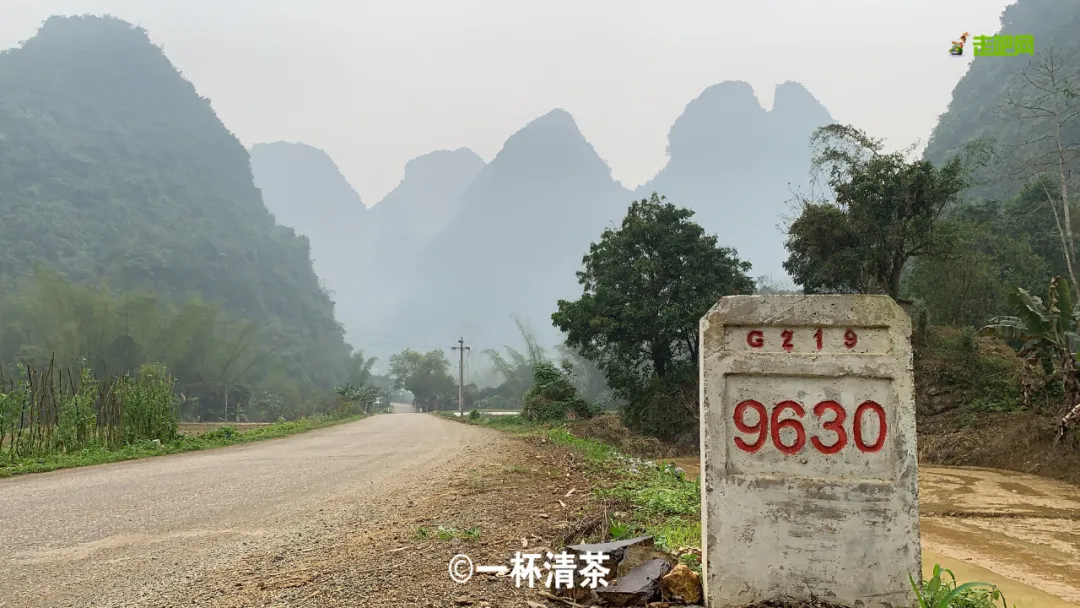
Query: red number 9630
point(831, 414)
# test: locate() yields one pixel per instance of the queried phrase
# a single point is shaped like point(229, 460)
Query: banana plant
point(1048, 329)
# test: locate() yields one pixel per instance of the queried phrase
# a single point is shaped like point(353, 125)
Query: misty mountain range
point(461, 246)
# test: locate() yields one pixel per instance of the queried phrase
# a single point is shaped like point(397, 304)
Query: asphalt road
point(122, 534)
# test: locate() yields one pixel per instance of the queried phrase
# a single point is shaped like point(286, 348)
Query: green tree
point(1045, 94)
point(646, 285)
point(360, 368)
point(356, 399)
point(887, 211)
point(1033, 213)
point(553, 395)
point(426, 376)
point(516, 367)
point(990, 259)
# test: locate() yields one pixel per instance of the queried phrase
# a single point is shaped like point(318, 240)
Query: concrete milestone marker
point(810, 471)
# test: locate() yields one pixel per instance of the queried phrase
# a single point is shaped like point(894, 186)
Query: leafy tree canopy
point(997, 247)
point(646, 286)
point(886, 210)
point(425, 375)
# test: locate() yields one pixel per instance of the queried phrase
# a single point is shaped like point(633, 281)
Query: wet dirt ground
point(1021, 528)
point(1019, 532)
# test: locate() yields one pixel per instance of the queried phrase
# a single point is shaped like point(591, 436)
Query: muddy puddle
point(1019, 532)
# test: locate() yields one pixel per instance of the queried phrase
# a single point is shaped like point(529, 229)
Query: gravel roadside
point(345, 516)
point(496, 498)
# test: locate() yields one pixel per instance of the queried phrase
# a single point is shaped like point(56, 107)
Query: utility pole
point(461, 348)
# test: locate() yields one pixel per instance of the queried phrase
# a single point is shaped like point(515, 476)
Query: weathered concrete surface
point(819, 504)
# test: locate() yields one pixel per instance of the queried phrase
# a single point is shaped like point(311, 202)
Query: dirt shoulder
point(330, 517)
point(499, 495)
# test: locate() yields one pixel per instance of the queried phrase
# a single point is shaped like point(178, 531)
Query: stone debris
point(640, 586)
point(682, 584)
point(615, 550)
point(640, 575)
point(635, 555)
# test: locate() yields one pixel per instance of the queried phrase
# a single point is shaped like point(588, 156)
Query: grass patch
point(447, 533)
point(219, 437)
point(662, 504)
point(659, 502)
point(596, 452)
point(942, 591)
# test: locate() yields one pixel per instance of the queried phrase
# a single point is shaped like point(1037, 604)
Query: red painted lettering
point(818, 337)
point(850, 338)
point(789, 423)
point(755, 338)
point(836, 425)
point(860, 441)
point(769, 425)
point(761, 428)
point(787, 335)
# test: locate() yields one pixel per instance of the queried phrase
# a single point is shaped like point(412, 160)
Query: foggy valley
point(385, 285)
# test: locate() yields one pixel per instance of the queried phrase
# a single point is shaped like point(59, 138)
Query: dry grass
point(608, 429)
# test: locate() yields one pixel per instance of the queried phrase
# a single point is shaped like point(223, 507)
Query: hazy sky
point(378, 83)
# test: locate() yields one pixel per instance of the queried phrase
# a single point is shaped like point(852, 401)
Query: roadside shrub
point(76, 419)
point(149, 404)
point(956, 369)
point(553, 395)
point(665, 408)
point(222, 432)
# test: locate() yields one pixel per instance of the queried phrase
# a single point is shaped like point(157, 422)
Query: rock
point(682, 583)
point(635, 555)
point(156, 443)
point(639, 587)
point(615, 550)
